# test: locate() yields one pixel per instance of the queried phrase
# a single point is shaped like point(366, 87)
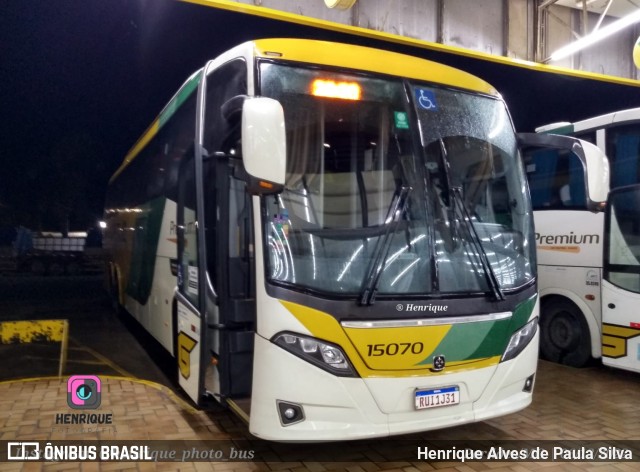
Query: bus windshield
point(395, 189)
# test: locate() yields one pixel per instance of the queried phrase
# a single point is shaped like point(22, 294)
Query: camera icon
point(84, 392)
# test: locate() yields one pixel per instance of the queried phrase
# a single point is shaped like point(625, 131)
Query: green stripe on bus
point(179, 99)
point(469, 341)
point(145, 247)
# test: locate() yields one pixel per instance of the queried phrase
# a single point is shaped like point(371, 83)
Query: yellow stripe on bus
point(139, 146)
point(615, 339)
point(572, 249)
point(324, 326)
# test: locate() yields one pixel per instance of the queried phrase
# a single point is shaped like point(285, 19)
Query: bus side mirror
point(597, 176)
point(594, 163)
point(263, 145)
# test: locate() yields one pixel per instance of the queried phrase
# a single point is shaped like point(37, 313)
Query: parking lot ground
point(99, 340)
point(571, 407)
point(42, 359)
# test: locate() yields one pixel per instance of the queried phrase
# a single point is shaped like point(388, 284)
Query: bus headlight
point(320, 353)
point(520, 339)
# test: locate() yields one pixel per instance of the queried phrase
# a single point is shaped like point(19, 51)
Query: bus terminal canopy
point(536, 94)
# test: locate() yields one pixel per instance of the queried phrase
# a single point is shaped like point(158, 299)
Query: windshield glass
point(379, 204)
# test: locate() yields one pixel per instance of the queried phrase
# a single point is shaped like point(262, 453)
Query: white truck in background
point(50, 253)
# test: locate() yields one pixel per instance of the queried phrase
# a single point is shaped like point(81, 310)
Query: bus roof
point(562, 127)
point(600, 121)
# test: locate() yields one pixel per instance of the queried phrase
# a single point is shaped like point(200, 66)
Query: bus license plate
point(445, 396)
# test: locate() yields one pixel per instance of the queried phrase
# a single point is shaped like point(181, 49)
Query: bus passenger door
point(224, 280)
point(621, 280)
point(232, 266)
point(188, 322)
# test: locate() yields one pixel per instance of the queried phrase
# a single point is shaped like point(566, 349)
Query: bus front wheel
point(564, 334)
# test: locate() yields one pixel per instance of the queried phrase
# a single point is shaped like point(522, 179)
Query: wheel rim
point(563, 332)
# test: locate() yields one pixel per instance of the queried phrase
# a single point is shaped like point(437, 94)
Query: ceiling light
point(339, 4)
point(594, 37)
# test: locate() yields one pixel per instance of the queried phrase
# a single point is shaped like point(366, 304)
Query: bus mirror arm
point(206, 156)
point(255, 186)
point(231, 109)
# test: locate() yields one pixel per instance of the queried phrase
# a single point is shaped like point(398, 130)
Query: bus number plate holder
point(434, 398)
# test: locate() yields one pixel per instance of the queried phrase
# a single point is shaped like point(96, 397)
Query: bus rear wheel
point(564, 334)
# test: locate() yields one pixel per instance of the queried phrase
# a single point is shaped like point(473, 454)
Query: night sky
point(82, 79)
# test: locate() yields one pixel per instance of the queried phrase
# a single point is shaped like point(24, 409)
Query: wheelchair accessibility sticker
point(426, 99)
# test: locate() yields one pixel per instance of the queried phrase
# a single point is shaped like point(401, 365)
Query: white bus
point(334, 241)
point(587, 258)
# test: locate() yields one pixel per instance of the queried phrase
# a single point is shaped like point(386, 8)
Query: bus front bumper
point(338, 408)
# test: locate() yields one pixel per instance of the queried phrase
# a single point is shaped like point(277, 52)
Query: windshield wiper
point(492, 279)
point(452, 196)
point(381, 250)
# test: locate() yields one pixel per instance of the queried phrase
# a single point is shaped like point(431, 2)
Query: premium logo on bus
point(565, 242)
point(438, 363)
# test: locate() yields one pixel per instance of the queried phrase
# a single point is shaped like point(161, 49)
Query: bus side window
point(622, 265)
point(223, 84)
point(577, 194)
point(541, 173)
point(240, 240)
point(187, 234)
point(625, 164)
point(220, 135)
point(556, 180)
